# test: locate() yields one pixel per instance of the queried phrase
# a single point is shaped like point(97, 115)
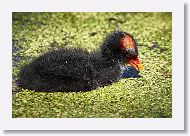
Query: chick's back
point(51, 70)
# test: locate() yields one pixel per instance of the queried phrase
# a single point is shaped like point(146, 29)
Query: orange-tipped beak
point(135, 62)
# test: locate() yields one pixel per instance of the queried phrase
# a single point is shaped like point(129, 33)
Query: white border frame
point(174, 123)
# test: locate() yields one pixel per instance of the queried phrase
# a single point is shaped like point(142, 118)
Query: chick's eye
point(131, 52)
point(126, 52)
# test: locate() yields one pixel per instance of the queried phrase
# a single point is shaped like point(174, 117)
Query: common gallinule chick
point(68, 70)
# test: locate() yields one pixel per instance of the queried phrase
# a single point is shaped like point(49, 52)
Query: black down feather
point(75, 69)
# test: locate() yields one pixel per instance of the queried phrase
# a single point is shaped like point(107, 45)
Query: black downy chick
point(68, 70)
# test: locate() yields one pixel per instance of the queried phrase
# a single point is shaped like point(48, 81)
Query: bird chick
point(68, 70)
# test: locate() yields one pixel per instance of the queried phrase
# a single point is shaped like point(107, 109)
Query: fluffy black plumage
point(76, 69)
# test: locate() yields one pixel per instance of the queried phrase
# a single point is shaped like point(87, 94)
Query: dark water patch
point(112, 19)
point(142, 45)
point(16, 47)
point(92, 33)
point(16, 58)
point(155, 45)
point(26, 21)
point(162, 50)
point(35, 23)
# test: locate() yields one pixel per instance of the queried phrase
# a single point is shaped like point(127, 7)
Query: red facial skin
point(128, 42)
